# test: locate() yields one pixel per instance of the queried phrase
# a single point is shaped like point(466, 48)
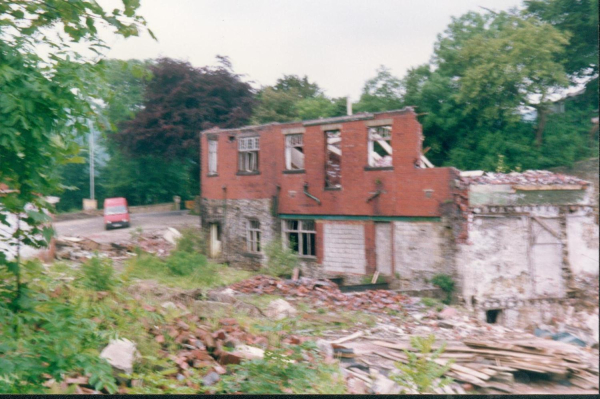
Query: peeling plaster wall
point(495, 262)
point(582, 238)
point(419, 249)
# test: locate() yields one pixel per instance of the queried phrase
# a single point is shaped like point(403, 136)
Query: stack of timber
point(490, 365)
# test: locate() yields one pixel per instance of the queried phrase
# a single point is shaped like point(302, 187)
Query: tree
point(382, 93)
point(293, 98)
point(180, 101)
point(45, 103)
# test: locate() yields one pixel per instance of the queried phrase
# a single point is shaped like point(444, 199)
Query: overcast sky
point(337, 43)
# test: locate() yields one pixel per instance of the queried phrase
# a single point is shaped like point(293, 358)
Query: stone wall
point(234, 216)
point(582, 233)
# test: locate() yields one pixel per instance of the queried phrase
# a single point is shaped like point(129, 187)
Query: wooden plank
point(375, 277)
point(349, 337)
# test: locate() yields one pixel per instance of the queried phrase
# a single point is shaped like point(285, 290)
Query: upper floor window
point(300, 236)
point(253, 236)
point(294, 152)
point(212, 157)
point(380, 146)
point(333, 160)
point(248, 154)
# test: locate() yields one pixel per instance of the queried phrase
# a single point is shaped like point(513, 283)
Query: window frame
point(371, 131)
point(301, 231)
point(253, 236)
point(289, 146)
point(214, 154)
point(328, 184)
point(248, 154)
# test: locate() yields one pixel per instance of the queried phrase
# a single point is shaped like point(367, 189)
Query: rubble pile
point(529, 177)
point(80, 249)
point(324, 293)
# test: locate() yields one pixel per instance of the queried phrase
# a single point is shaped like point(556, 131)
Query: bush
point(446, 284)
point(422, 374)
point(186, 263)
point(192, 241)
point(98, 274)
point(293, 370)
point(281, 261)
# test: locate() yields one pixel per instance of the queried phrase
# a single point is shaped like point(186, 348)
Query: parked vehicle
point(116, 213)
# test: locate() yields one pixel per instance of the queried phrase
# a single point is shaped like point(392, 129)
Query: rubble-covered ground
point(239, 331)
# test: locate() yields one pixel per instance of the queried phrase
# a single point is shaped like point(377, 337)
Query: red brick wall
point(402, 188)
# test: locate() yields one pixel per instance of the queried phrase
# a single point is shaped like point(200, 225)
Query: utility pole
point(91, 153)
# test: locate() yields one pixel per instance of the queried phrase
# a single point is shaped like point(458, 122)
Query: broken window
point(294, 152)
point(333, 161)
point(248, 154)
point(212, 157)
point(380, 146)
point(253, 236)
point(300, 236)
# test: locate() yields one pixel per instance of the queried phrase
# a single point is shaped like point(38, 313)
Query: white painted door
point(546, 257)
point(383, 248)
point(215, 240)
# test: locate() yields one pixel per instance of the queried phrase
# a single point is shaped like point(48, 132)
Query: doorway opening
point(493, 316)
point(215, 240)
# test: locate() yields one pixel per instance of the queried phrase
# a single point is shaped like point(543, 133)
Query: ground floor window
point(301, 236)
point(253, 236)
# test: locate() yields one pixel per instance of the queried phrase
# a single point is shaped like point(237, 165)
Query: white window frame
point(383, 135)
point(303, 228)
point(253, 236)
point(293, 141)
point(213, 146)
point(248, 149)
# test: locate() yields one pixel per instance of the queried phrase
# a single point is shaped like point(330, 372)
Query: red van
point(116, 213)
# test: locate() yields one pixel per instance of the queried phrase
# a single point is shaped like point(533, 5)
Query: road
point(93, 228)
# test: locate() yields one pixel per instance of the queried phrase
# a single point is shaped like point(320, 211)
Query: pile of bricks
point(529, 177)
point(325, 292)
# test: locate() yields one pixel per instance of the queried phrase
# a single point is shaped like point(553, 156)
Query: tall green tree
point(384, 92)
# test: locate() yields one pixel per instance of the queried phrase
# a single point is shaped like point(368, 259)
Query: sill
point(256, 255)
point(213, 175)
point(307, 257)
point(294, 172)
point(333, 189)
point(241, 173)
point(369, 168)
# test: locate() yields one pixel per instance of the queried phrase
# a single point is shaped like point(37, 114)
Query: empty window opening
point(212, 157)
point(215, 239)
point(493, 316)
point(333, 161)
point(300, 236)
point(248, 154)
point(253, 236)
point(294, 152)
point(380, 146)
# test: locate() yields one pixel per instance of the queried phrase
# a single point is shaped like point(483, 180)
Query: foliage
point(284, 370)
point(281, 260)
point(98, 274)
point(293, 98)
point(422, 373)
point(446, 284)
point(192, 241)
point(187, 264)
point(381, 93)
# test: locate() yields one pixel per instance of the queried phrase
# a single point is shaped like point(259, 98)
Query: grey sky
point(338, 43)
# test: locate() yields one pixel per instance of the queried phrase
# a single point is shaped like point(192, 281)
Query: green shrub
point(186, 263)
point(281, 261)
point(446, 284)
point(98, 274)
point(293, 370)
point(422, 373)
point(192, 241)
point(429, 302)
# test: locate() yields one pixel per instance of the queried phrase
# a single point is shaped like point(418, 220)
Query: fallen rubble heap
point(325, 293)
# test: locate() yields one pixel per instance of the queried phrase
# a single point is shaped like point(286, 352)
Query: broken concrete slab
point(172, 235)
point(121, 354)
point(280, 309)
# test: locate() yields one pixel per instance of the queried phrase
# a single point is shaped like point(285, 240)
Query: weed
point(284, 370)
point(429, 302)
point(192, 241)
point(422, 373)
point(446, 284)
point(98, 274)
point(281, 261)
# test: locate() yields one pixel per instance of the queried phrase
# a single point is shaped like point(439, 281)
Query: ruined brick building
point(353, 195)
